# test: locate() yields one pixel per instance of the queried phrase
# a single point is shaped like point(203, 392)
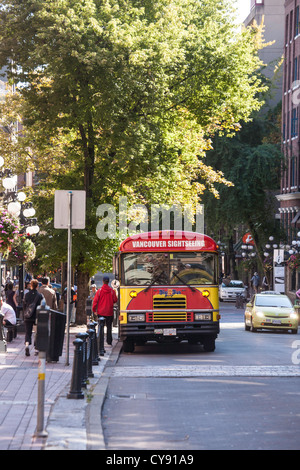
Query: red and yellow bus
point(168, 289)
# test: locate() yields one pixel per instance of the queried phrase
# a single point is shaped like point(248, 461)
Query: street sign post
point(69, 213)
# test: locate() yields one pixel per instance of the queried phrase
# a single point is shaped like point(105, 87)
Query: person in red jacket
point(103, 306)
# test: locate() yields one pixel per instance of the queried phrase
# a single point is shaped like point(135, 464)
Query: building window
point(295, 69)
point(294, 123)
point(291, 25)
point(297, 22)
point(293, 169)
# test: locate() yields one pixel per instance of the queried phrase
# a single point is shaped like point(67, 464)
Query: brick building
point(290, 182)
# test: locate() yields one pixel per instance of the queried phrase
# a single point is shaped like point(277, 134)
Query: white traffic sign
point(61, 209)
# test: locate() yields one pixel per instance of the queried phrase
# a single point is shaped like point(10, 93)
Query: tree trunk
point(82, 295)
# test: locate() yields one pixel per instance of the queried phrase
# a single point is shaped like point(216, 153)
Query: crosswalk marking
point(207, 371)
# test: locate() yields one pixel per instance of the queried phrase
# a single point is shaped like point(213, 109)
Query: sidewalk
point(65, 419)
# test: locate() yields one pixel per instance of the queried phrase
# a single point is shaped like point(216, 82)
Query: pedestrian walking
point(255, 282)
point(11, 296)
point(103, 306)
point(31, 301)
point(48, 293)
point(265, 283)
point(72, 311)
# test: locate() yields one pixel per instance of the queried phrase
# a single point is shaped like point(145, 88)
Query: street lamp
point(248, 251)
point(295, 248)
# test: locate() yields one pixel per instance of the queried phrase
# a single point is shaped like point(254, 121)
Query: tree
point(121, 97)
point(252, 161)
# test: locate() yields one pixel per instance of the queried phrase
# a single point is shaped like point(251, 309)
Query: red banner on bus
point(167, 240)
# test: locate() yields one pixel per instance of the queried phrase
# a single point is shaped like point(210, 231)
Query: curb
point(95, 435)
point(75, 424)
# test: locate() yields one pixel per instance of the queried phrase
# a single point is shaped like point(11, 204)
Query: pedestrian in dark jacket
point(31, 301)
point(103, 306)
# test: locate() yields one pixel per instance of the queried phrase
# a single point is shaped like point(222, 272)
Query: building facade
point(271, 14)
point(290, 182)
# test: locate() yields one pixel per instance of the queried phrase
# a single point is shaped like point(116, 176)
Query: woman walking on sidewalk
point(32, 299)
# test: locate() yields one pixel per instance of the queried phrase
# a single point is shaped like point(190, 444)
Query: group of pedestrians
point(33, 295)
point(103, 302)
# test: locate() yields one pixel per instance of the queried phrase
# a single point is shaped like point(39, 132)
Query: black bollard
point(84, 374)
point(95, 356)
point(96, 349)
point(75, 390)
point(91, 334)
point(101, 322)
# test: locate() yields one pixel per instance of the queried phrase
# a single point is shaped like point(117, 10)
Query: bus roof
point(168, 240)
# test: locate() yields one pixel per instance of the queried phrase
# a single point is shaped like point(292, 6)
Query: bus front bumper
point(176, 331)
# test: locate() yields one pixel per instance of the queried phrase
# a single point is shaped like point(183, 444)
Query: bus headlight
point(136, 317)
point(202, 316)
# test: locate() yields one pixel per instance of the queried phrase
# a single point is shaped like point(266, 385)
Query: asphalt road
point(243, 396)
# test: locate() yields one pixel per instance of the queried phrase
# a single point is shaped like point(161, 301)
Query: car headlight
point(202, 316)
point(259, 314)
point(294, 316)
point(136, 317)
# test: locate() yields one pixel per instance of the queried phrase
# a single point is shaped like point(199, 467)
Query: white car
point(229, 290)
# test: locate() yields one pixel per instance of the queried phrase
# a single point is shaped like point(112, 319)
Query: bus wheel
point(128, 346)
point(209, 344)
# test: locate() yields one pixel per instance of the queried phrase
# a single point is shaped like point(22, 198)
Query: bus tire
point(128, 346)
point(209, 344)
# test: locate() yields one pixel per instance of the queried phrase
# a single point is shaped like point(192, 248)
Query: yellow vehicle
point(168, 289)
point(271, 311)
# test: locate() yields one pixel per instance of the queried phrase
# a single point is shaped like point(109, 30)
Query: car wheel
point(254, 330)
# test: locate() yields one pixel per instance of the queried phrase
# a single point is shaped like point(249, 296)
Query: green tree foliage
point(121, 97)
point(252, 161)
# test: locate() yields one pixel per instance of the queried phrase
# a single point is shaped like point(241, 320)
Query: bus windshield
point(192, 268)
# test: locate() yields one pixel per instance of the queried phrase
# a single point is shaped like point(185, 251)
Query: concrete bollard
point(75, 390)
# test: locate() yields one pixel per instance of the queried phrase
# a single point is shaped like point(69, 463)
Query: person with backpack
point(103, 306)
point(31, 301)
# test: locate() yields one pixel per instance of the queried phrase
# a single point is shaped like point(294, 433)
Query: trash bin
point(57, 335)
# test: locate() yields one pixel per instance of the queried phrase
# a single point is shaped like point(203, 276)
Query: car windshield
point(273, 301)
point(169, 268)
point(238, 284)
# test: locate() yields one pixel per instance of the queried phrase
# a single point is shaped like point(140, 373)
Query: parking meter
point(43, 327)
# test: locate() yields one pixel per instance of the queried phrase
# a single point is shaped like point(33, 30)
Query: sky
point(243, 9)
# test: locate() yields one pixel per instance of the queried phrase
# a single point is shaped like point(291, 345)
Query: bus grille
point(163, 303)
point(169, 302)
point(169, 316)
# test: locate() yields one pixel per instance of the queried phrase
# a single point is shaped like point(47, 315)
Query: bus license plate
point(166, 331)
point(169, 332)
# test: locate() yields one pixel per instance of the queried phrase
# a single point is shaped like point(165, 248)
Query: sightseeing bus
point(168, 289)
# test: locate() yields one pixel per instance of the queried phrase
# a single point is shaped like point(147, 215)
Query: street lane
point(245, 395)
